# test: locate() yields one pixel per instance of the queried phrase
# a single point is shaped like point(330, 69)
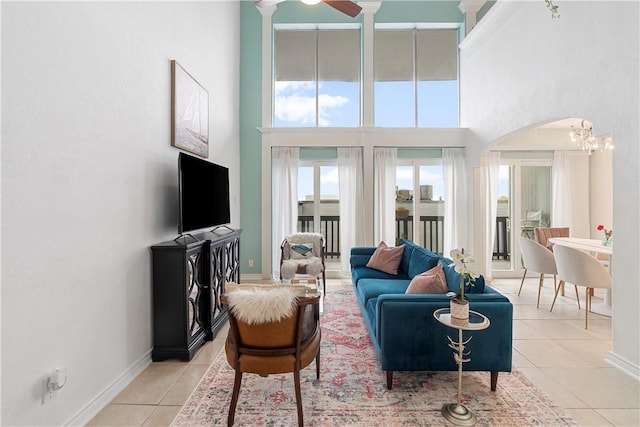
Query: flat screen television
point(203, 194)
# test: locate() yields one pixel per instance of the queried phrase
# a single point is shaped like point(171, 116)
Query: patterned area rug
point(352, 392)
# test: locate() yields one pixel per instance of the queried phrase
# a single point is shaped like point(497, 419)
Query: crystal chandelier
point(584, 137)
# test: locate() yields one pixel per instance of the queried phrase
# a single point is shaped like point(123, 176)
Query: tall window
point(524, 202)
point(416, 78)
point(419, 202)
point(318, 204)
point(317, 78)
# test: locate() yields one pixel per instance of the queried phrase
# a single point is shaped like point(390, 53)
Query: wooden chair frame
point(307, 332)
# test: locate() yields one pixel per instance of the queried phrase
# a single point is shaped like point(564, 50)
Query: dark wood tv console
point(189, 276)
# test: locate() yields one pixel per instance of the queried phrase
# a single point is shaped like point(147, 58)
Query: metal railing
point(431, 231)
point(329, 228)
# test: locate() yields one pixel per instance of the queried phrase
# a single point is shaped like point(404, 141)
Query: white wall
point(601, 186)
point(521, 67)
point(89, 182)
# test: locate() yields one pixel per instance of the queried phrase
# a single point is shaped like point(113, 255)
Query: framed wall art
point(189, 112)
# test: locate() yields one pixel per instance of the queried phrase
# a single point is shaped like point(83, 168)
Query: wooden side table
point(457, 413)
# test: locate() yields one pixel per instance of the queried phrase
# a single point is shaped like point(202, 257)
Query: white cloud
point(294, 108)
point(295, 102)
point(327, 102)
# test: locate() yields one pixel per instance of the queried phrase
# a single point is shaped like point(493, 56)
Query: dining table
point(594, 247)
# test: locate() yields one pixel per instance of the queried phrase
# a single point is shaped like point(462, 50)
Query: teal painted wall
point(250, 140)
point(251, 99)
point(328, 153)
point(419, 12)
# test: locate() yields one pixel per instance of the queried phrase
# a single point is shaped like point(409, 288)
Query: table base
point(458, 414)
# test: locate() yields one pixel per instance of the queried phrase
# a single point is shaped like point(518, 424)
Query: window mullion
point(317, 83)
point(316, 197)
point(415, 78)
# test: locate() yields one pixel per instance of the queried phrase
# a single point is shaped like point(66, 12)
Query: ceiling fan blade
point(345, 6)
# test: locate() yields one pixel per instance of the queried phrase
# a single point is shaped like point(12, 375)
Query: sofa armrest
point(360, 255)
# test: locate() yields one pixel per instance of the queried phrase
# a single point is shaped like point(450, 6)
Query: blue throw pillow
point(421, 261)
point(453, 279)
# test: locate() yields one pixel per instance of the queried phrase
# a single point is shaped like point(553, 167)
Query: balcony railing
point(431, 233)
point(329, 228)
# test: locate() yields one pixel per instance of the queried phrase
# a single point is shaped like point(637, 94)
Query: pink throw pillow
point(386, 259)
point(430, 282)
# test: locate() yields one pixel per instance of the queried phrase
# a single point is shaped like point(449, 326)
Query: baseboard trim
point(623, 365)
point(103, 398)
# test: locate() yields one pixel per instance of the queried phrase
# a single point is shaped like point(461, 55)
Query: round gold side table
point(457, 413)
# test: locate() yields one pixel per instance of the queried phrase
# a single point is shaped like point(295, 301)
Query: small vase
point(459, 308)
point(606, 241)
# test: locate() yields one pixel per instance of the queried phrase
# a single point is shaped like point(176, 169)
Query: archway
point(544, 179)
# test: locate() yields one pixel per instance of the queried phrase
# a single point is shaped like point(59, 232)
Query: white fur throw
point(255, 306)
point(312, 265)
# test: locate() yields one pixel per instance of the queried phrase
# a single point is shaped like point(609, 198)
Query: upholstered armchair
point(303, 253)
point(272, 331)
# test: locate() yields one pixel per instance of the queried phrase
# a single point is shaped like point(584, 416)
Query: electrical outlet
point(250, 263)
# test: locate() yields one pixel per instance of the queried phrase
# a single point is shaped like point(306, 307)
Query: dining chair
point(262, 341)
point(581, 269)
point(539, 259)
point(543, 234)
point(536, 258)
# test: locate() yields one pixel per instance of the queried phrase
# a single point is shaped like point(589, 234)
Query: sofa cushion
point(409, 246)
point(372, 288)
point(359, 273)
point(453, 279)
point(386, 259)
point(430, 282)
point(421, 261)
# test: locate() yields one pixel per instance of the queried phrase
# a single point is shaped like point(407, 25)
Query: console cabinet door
point(189, 276)
point(225, 268)
point(178, 289)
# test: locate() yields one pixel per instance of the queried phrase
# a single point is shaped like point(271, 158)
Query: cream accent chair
point(536, 257)
point(310, 262)
point(539, 259)
point(582, 269)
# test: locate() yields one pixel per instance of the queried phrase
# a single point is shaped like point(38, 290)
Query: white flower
point(464, 265)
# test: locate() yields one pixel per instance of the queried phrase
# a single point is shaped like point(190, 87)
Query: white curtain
point(455, 199)
point(351, 203)
point(385, 194)
point(284, 196)
point(490, 172)
point(570, 192)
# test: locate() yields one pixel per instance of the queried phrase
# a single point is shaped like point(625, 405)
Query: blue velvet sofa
point(407, 337)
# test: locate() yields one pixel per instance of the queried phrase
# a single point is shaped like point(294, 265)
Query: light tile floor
point(553, 350)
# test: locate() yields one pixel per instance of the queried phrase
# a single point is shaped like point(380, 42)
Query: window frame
point(317, 29)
